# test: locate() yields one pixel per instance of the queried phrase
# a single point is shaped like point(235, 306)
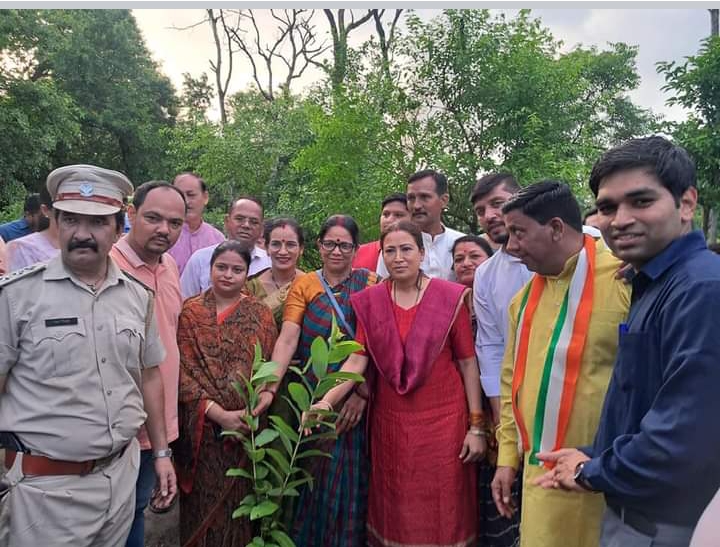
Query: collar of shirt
point(677, 250)
point(135, 261)
point(56, 270)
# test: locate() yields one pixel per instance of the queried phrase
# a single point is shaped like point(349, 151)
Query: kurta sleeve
point(507, 436)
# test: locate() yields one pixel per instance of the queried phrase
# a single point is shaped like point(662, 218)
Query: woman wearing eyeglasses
point(334, 512)
point(284, 242)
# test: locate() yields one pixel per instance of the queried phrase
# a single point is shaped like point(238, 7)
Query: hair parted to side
point(403, 226)
point(546, 200)
point(441, 182)
point(145, 188)
point(344, 221)
point(487, 183)
point(477, 240)
point(284, 222)
point(233, 246)
point(397, 196)
point(669, 163)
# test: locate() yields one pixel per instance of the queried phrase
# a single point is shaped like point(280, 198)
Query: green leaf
point(280, 459)
point(319, 353)
point(261, 471)
point(299, 395)
point(341, 376)
point(242, 511)
point(263, 509)
point(282, 426)
point(280, 478)
point(266, 436)
point(238, 472)
point(266, 370)
point(341, 350)
point(299, 482)
point(256, 455)
point(250, 499)
point(283, 540)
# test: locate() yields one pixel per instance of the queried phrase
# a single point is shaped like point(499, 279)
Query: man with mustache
point(244, 223)
point(79, 351)
point(196, 234)
point(655, 454)
point(427, 196)
point(157, 214)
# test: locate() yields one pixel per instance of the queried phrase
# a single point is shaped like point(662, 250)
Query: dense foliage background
point(466, 92)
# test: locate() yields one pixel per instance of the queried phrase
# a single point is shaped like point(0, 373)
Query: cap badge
point(86, 190)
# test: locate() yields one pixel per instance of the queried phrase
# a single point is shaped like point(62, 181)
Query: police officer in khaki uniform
point(78, 377)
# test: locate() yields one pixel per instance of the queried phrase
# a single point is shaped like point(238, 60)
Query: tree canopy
point(465, 93)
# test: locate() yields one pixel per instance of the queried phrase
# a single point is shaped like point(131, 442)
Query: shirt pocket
point(636, 372)
point(130, 338)
point(57, 348)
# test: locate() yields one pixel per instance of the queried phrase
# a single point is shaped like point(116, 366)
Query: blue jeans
point(143, 490)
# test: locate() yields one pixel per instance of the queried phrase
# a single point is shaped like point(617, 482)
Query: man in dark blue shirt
point(656, 455)
point(32, 221)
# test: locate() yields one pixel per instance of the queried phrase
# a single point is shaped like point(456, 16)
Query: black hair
point(404, 226)
point(32, 203)
point(145, 188)
point(441, 182)
point(668, 162)
point(545, 200)
point(344, 221)
point(402, 198)
point(282, 222)
point(231, 206)
point(203, 186)
point(477, 240)
point(589, 213)
point(45, 197)
point(487, 183)
point(233, 246)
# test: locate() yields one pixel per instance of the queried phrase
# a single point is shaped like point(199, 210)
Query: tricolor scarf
point(562, 363)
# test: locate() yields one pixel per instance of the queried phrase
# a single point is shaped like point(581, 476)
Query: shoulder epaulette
point(21, 273)
point(131, 277)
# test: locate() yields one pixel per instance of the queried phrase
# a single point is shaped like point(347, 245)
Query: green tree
point(80, 86)
point(498, 92)
point(695, 85)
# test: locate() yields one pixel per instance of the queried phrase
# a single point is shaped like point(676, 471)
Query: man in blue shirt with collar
point(33, 220)
point(656, 455)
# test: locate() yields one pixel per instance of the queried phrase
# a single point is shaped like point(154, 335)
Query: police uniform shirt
point(72, 361)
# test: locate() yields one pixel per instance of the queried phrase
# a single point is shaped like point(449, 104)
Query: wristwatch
point(164, 453)
point(580, 479)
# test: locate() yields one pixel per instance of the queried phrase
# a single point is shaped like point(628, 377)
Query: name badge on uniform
point(61, 322)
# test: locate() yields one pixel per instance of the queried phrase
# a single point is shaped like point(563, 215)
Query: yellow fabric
point(552, 518)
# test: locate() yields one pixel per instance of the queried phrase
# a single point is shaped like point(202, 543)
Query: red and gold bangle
point(476, 419)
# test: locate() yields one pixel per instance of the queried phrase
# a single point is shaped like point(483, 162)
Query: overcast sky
point(661, 34)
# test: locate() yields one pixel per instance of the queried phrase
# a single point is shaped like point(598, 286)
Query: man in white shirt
point(244, 223)
point(427, 196)
point(497, 280)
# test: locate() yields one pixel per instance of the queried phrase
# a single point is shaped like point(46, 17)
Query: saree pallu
point(333, 514)
point(211, 357)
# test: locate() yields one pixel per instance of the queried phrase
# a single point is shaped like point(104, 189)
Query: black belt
point(634, 520)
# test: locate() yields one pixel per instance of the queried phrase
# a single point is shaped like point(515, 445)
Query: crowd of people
point(548, 383)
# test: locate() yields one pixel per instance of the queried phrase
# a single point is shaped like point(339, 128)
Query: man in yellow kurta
point(562, 339)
